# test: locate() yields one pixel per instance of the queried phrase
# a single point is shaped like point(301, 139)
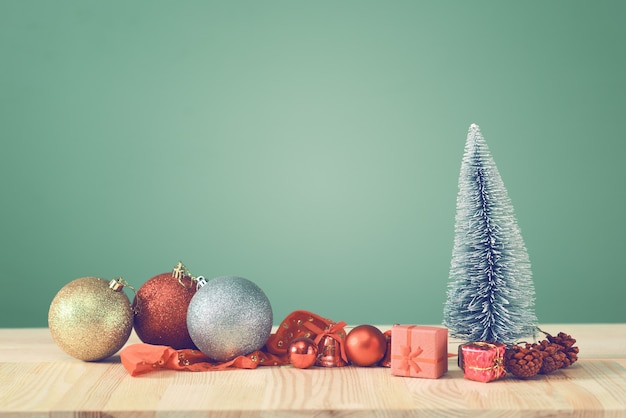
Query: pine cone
point(553, 357)
point(523, 362)
point(567, 342)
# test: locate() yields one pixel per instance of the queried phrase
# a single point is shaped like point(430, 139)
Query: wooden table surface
point(38, 379)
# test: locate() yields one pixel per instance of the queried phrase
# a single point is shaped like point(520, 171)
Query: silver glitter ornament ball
point(229, 316)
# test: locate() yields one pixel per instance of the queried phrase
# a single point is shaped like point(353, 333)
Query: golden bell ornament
point(329, 353)
point(91, 318)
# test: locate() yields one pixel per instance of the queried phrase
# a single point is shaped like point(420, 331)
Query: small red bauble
point(365, 345)
point(162, 318)
point(302, 352)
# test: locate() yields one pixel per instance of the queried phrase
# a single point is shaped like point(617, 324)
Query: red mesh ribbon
point(144, 358)
point(296, 324)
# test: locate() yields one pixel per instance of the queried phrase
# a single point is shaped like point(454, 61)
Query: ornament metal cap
point(201, 282)
point(117, 284)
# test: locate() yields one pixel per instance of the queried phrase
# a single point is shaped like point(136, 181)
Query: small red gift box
point(482, 361)
point(419, 351)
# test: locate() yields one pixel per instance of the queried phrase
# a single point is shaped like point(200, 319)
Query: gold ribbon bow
point(498, 361)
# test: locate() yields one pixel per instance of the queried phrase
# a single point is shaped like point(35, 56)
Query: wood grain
point(37, 379)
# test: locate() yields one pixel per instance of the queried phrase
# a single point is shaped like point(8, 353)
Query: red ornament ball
point(162, 318)
point(302, 352)
point(365, 345)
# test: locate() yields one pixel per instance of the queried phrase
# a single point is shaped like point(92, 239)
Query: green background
point(312, 147)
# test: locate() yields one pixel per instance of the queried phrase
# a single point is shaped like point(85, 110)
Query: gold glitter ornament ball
point(89, 319)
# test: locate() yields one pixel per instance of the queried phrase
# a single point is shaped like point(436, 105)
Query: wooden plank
point(37, 379)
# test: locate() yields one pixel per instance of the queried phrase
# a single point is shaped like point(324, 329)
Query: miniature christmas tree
point(490, 293)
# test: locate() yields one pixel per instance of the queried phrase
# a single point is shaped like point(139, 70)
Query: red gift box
point(482, 361)
point(419, 351)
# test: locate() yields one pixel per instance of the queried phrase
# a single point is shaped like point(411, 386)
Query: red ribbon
point(296, 324)
point(407, 361)
point(144, 358)
point(335, 331)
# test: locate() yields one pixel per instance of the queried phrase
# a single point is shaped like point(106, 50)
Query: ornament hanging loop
point(118, 284)
point(181, 272)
